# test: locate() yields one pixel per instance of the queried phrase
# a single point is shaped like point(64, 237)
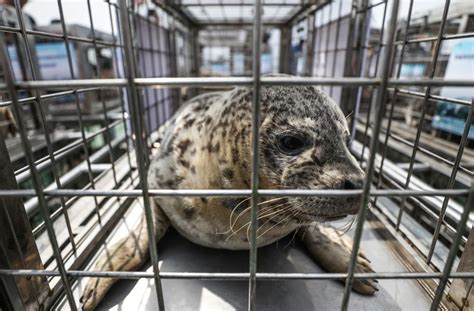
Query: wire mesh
point(151, 61)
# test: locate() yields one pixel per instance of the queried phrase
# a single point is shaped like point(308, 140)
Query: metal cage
point(79, 160)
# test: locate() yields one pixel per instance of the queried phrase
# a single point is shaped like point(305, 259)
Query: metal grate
point(153, 54)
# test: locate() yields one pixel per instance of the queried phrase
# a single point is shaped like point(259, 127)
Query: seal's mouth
point(334, 218)
point(325, 218)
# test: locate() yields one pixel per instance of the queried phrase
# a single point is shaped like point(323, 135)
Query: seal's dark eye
point(291, 145)
point(348, 142)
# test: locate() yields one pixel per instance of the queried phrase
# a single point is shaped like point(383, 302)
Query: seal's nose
point(351, 184)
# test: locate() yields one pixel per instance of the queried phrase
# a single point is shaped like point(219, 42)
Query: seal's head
point(304, 144)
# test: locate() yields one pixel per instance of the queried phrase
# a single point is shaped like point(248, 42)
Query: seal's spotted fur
point(207, 145)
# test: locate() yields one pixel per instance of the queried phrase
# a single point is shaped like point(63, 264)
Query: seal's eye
point(291, 145)
point(348, 142)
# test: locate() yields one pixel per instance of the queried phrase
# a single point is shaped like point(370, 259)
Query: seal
point(303, 144)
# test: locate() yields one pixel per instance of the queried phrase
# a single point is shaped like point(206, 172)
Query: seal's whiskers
point(247, 224)
point(288, 217)
point(274, 214)
point(232, 223)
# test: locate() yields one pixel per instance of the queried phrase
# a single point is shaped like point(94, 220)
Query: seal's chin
point(310, 217)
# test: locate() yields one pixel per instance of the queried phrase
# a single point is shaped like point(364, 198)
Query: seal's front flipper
point(127, 254)
point(332, 250)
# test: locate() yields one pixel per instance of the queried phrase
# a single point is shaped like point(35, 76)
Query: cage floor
point(286, 256)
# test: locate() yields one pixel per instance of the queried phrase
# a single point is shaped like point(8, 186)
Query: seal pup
point(303, 144)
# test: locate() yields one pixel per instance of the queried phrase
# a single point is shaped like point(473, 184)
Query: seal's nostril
point(353, 184)
point(348, 185)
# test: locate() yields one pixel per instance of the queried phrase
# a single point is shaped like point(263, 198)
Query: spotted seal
point(303, 144)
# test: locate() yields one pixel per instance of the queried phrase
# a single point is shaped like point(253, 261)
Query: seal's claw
point(364, 286)
point(94, 292)
point(333, 251)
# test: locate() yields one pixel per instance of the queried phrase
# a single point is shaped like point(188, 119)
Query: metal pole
point(461, 290)
point(242, 193)
point(394, 97)
point(171, 82)
point(257, 39)
point(35, 177)
point(468, 209)
point(236, 276)
point(139, 145)
point(17, 244)
point(373, 150)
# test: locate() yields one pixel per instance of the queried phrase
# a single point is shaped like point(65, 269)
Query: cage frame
point(133, 85)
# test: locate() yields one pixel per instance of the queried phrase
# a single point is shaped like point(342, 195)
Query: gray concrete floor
point(178, 254)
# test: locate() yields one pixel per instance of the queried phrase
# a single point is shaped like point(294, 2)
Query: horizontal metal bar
point(430, 97)
point(231, 81)
point(364, 81)
point(434, 38)
point(375, 193)
point(53, 84)
point(238, 193)
point(319, 81)
point(49, 96)
point(239, 4)
point(58, 36)
point(238, 276)
point(239, 23)
point(204, 81)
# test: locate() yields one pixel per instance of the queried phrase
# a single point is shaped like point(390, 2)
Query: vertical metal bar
point(377, 58)
point(42, 121)
point(132, 93)
point(328, 31)
point(285, 45)
point(133, 10)
point(117, 73)
point(107, 133)
point(195, 51)
point(196, 58)
point(24, 291)
point(141, 52)
point(452, 179)
point(165, 68)
point(161, 55)
point(336, 44)
point(35, 177)
point(78, 106)
point(394, 97)
point(468, 209)
point(17, 244)
point(460, 291)
point(434, 63)
point(382, 90)
point(174, 63)
point(153, 69)
point(353, 61)
point(257, 40)
point(157, 72)
point(308, 57)
point(316, 43)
